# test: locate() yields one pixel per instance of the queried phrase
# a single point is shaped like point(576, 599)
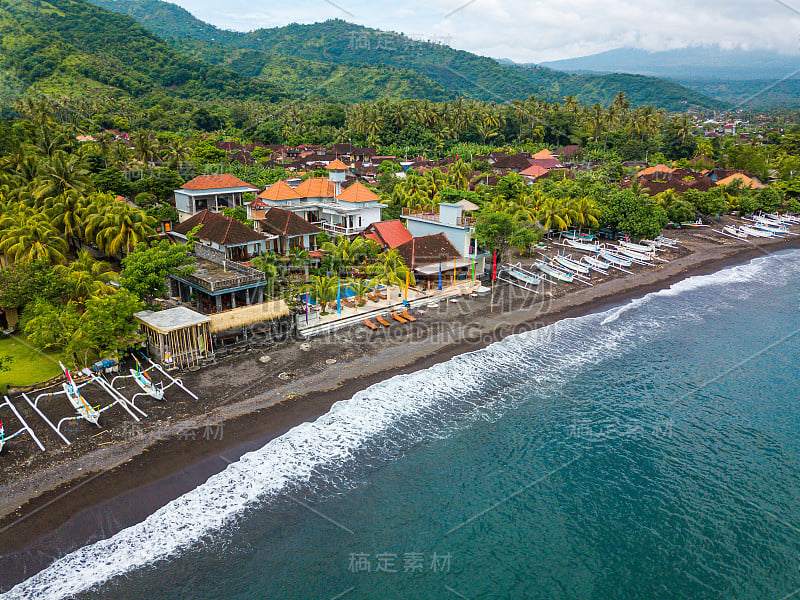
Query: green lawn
point(29, 366)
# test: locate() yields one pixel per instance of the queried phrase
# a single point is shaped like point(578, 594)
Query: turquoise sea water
point(648, 451)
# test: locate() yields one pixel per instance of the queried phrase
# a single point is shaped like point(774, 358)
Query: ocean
point(651, 450)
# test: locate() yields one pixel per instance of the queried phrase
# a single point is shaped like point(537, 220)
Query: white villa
point(322, 202)
point(210, 192)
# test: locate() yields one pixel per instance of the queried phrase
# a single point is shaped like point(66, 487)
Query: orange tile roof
point(388, 233)
point(746, 181)
point(316, 187)
point(215, 182)
point(544, 154)
point(534, 171)
point(655, 169)
point(280, 190)
point(337, 165)
point(358, 192)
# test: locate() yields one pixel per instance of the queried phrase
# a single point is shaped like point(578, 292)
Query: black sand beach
point(49, 507)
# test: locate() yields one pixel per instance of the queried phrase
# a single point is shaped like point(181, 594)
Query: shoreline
point(143, 476)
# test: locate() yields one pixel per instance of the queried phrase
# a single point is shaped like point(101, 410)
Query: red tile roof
point(217, 228)
point(427, 249)
point(389, 234)
point(215, 182)
point(534, 171)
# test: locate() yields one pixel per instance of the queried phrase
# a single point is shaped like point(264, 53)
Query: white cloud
point(539, 30)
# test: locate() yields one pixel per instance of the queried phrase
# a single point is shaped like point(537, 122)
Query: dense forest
point(435, 66)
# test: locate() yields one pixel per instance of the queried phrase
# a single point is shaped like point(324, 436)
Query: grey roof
point(171, 319)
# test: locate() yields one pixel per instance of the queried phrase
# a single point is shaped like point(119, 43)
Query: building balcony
point(339, 229)
point(418, 213)
point(215, 278)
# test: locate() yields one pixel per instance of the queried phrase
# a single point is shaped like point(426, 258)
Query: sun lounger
point(370, 324)
point(373, 297)
point(407, 316)
point(381, 295)
point(349, 303)
point(398, 318)
point(382, 321)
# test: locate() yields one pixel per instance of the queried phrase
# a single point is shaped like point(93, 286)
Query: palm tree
point(64, 212)
point(360, 288)
point(554, 215)
point(62, 172)
point(144, 146)
point(323, 289)
point(87, 277)
point(584, 212)
point(390, 269)
point(119, 228)
point(31, 240)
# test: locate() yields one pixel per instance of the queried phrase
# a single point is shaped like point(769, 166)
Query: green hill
point(71, 46)
point(459, 73)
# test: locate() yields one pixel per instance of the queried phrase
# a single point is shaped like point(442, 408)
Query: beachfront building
point(389, 234)
point(286, 228)
point(224, 237)
point(431, 255)
point(221, 280)
point(453, 224)
point(326, 203)
point(210, 192)
point(177, 337)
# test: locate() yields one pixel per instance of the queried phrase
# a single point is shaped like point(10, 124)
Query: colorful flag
point(494, 266)
point(440, 275)
point(408, 280)
point(339, 299)
point(306, 303)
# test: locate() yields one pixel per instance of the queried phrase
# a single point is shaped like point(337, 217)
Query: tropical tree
point(323, 289)
point(118, 228)
point(391, 269)
point(87, 277)
point(33, 239)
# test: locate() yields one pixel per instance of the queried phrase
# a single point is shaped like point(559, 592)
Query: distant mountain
point(71, 46)
point(687, 64)
point(750, 78)
point(436, 68)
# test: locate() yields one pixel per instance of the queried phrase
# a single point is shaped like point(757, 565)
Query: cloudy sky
point(538, 30)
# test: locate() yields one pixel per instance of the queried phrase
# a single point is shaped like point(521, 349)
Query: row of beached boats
point(84, 410)
point(762, 226)
point(595, 258)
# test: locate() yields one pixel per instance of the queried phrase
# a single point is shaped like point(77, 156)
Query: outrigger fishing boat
point(586, 247)
point(554, 272)
point(733, 232)
point(572, 265)
point(638, 247)
point(596, 264)
point(144, 381)
point(633, 254)
point(756, 232)
point(24, 426)
point(519, 277)
point(79, 403)
point(615, 259)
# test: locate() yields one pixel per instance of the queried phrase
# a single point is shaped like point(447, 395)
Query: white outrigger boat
point(596, 264)
point(668, 242)
point(615, 259)
point(732, 232)
point(756, 231)
point(635, 256)
point(79, 403)
point(25, 427)
point(584, 246)
point(642, 249)
point(142, 378)
point(519, 277)
point(554, 272)
point(572, 265)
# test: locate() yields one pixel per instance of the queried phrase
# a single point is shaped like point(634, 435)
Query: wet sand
point(48, 511)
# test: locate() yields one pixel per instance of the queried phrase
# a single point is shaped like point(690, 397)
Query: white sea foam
point(550, 356)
